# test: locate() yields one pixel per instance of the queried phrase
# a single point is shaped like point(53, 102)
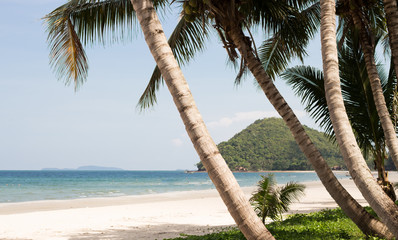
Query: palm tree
point(366, 17)
point(218, 171)
point(377, 199)
point(271, 201)
point(109, 14)
point(391, 12)
point(358, 100)
point(229, 19)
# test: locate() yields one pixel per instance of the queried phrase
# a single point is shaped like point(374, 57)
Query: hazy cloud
point(247, 117)
point(177, 142)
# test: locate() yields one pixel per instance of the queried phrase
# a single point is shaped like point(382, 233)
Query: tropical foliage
point(267, 144)
point(271, 200)
point(308, 83)
point(329, 224)
point(86, 21)
point(288, 24)
point(365, 21)
point(358, 99)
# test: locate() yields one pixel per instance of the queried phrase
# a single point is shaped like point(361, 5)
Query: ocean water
point(20, 186)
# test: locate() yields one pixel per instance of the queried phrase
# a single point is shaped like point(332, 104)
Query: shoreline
point(265, 171)
point(122, 193)
point(58, 204)
point(61, 204)
point(123, 199)
point(146, 217)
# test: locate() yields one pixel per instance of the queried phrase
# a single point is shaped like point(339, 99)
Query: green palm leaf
point(271, 201)
point(289, 193)
point(271, 15)
point(187, 39)
point(67, 55)
point(307, 83)
point(104, 21)
point(290, 40)
point(81, 22)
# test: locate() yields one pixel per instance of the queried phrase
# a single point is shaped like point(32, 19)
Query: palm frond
point(81, 22)
point(391, 94)
point(104, 21)
point(67, 56)
point(242, 73)
point(271, 15)
point(290, 40)
point(357, 94)
point(386, 46)
point(107, 21)
point(307, 83)
point(271, 201)
point(292, 191)
point(187, 39)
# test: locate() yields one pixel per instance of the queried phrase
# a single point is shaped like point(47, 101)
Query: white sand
point(156, 216)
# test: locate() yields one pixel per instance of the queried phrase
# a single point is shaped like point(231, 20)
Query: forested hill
point(268, 145)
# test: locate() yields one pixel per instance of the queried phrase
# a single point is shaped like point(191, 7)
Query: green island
point(268, 144)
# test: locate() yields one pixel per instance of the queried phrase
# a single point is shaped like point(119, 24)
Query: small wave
point(192, 183)
point(149, 191)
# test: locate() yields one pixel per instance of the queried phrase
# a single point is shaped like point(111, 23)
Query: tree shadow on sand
point(148, 232)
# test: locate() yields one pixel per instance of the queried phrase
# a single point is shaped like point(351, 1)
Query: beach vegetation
point(355, 162)
point(289, 26)
point(229, 20)
point(78, 20)
point(272, 201)
point(329, 224)
point(308, 83)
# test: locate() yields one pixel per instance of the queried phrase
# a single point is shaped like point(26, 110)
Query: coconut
point(193, 3)
point(188, 9)
point(189, 18)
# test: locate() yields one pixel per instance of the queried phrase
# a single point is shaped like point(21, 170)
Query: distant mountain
point(267, 144)
point(58, 169)
point(84, 168)
point(98, 168)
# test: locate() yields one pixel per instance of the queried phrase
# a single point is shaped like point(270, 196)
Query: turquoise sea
point(20, 186)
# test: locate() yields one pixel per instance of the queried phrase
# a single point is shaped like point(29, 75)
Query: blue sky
point(44, 123)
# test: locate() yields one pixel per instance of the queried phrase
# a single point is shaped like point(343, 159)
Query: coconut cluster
point(191, 8)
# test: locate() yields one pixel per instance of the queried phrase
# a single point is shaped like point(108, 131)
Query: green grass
point(323, 225)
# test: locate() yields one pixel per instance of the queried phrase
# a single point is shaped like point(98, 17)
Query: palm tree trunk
point(350, 206)
point(377, 199)
point(377, 90)
point(238, 206)
point(379, 164)
point(391, 10)
point(378, 96)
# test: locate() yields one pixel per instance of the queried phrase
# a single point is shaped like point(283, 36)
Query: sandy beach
point(155, 216)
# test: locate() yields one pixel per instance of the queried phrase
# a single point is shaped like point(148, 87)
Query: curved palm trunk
point(380, 103)
point(350, 206)
point(242, 212)
point(377, 199)
point(391, 10)
point(377, 90)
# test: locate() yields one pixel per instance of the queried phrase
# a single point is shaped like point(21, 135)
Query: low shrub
point(324, 225)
